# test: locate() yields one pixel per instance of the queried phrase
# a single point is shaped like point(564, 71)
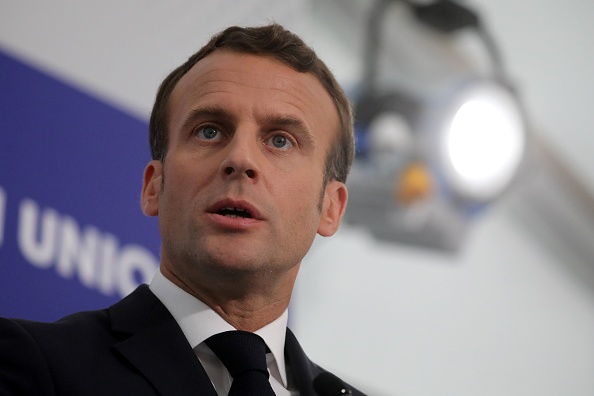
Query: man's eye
point(208, 133)
point(280, 142)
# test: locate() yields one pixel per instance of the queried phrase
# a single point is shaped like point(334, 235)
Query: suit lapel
point(303, 370)
point(156, 346)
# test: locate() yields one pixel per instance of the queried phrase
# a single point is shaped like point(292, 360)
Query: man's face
point(241, 184)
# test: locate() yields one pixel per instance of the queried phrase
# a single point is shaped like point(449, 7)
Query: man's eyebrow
point(295, 123)
point(205, 112)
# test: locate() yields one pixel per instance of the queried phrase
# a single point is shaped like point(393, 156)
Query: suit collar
point(154, 344)
point(198, 321)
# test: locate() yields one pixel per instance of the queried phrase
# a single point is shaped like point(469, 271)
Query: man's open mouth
point(234, 212)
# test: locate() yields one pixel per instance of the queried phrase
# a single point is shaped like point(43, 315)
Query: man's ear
point(335, 200)
point(151, 188)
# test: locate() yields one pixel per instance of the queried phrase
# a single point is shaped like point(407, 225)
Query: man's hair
point(277, 42)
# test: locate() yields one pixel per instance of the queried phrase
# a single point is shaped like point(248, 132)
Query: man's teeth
point(235, 209)
point(235, 212)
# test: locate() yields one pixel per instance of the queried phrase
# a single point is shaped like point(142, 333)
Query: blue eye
point(280, 142)
point(208, 133)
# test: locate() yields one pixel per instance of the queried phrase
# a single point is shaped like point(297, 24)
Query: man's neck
point(246, 304)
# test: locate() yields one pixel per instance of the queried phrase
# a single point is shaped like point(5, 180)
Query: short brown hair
point(275, 41)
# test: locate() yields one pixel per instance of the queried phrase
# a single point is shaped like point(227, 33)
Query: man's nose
point(241, 158)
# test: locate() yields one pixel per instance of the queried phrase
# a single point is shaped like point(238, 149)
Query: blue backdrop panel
point(72, 235)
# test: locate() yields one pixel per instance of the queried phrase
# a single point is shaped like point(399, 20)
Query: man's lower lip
point(237, 222)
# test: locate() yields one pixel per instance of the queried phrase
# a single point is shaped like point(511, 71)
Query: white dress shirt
point(198, 322)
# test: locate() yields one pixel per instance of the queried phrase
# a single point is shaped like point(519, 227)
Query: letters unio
point(49, 239)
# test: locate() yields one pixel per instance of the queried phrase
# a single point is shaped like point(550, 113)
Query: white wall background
point(511, 314)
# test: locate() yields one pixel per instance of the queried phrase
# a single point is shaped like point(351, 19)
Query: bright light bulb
point(484, 143)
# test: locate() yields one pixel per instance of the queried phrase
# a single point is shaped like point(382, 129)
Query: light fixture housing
point(430, 161)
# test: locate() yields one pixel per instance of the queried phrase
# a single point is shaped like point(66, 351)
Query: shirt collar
point(198, 321)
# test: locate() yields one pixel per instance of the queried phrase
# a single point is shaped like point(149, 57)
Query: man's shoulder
point(65, 332)
point(84, 325)
point(77, 354)
point(75, 320)
point(30, 349)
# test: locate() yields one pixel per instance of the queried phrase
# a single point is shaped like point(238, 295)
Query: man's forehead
point(243, 67)
point(229, 69)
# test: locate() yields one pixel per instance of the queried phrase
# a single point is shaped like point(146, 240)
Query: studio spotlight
point(430, 161)
point(481, 141)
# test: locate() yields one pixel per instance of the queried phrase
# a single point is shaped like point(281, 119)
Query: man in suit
point(251, 140)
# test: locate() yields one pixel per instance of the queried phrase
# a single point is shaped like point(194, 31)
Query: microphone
point(327, 384)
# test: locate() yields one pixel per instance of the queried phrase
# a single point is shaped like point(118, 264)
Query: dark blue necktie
point(244, 355)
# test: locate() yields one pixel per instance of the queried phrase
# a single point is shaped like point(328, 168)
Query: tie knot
point(240, 352)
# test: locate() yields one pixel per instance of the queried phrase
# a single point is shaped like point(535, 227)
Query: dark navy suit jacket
point(135, 347)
